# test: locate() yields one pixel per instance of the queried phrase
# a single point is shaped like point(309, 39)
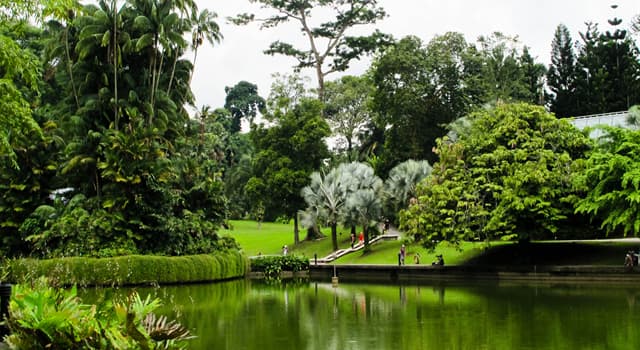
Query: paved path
point(391, 234)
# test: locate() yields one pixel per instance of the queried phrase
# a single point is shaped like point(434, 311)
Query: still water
point(250, 315)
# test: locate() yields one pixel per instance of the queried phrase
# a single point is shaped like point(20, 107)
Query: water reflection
point(301, 315)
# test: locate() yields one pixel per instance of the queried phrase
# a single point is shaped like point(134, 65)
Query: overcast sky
point(239, 56)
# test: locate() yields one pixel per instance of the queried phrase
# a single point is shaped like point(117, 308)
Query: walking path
point(391, 234)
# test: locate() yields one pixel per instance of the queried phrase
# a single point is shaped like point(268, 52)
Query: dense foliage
point(99, 156)
point(273, 265)
point(118, 167)
point(422, 88)
point(611, 181)
point(286, 154)
point(508, 176)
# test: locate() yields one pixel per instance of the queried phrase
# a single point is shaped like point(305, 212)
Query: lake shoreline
point(418, 273)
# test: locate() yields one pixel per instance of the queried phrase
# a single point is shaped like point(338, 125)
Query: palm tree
point(205, 28)
point(401, 184)
point(365, 208)
point(633, 116)
point(159, 30)
point(63, 15)
point(326, 198)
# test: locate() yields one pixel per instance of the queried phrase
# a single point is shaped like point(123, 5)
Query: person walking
point(403, 253)
point(353, 239)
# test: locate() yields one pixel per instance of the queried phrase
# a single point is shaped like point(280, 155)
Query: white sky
point(239, 56)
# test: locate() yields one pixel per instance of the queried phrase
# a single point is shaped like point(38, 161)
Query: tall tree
point(502, 74)
point(244, 103)
point(418, 91)
point(330, 46)
point(607, 70)
point(533, 73)
point(205, 28)
point(561, 74)
point(286, 154)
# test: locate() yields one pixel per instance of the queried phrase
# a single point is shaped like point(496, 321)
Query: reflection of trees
point(249, 315)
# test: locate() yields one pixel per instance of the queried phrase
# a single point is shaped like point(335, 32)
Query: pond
point(247, 314)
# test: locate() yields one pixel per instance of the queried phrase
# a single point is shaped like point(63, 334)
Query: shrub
point(131, 270)
point(273, 265)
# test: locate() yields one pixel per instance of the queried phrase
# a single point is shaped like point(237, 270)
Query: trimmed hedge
point(131, 269)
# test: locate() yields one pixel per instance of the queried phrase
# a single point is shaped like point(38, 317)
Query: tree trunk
point(69, 67)
point(365, 229)
point(334, 236)
point(296, 231)
point(116, 118)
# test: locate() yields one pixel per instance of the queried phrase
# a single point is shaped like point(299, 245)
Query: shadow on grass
point(556, 253)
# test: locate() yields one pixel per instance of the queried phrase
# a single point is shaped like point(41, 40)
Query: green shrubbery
point(131, 270)
point(42, 317)
point(273, 265)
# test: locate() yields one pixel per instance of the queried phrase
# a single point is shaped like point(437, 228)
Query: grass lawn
point(387, 253)
point(268, 238)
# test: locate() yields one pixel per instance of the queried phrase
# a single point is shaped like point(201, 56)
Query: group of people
point(360, 239)
point(416, 257)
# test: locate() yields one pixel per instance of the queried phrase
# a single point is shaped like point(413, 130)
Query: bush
point(273, 265)
point(131, 270)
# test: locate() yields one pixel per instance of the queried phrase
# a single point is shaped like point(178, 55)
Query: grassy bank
point(270, 237)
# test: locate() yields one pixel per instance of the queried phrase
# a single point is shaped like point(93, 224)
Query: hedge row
point(131, 270)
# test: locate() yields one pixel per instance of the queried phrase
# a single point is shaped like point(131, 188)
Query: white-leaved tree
point(349, 194)
point(401, 184)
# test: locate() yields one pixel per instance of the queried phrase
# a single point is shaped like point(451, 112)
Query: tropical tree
point(503, 78)
point(244, 103)
point(364, 205)
point(509, 177)
point(400, 186)
point(325, 197)
point(330, 47)
point(204, 28)
point(286, 154)
point(611, 181)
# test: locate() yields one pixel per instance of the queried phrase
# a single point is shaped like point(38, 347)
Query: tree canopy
point(509, 177)
point(331, 46)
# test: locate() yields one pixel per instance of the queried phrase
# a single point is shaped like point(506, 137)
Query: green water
point(306, 315)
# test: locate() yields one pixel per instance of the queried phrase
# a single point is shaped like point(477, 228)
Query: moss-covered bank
point(131, 270)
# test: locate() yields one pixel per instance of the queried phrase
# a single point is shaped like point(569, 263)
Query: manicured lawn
point(270, 237)
point(266, 239)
